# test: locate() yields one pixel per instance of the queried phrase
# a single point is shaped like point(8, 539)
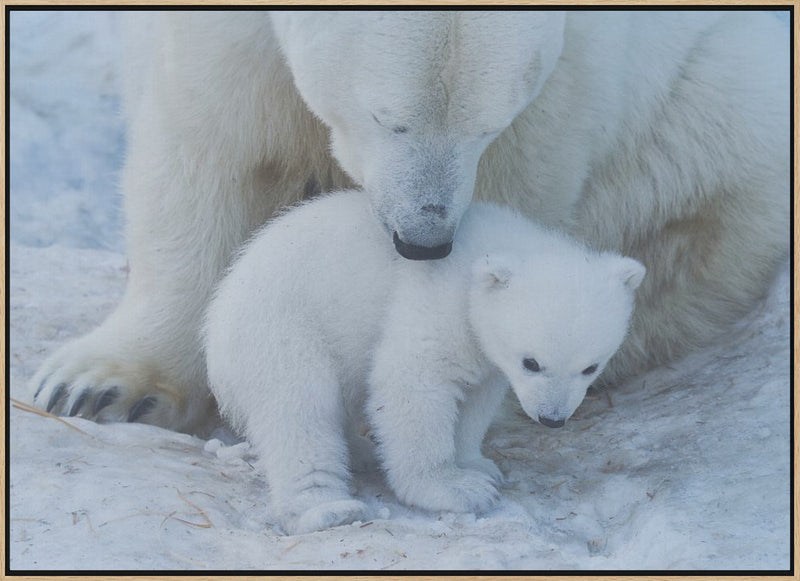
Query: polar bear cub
point(321, 338)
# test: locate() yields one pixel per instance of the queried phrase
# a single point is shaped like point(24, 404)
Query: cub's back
point(325, 266)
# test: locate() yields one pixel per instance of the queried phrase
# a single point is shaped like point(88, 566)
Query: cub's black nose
point(414, 252)
point(550, 423)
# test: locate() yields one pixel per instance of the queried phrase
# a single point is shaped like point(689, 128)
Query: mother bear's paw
point(88, 379)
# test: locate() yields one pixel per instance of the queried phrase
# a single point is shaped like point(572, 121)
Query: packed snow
point(684, 468)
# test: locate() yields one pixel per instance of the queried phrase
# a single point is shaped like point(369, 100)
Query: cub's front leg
point(413, 408)
point(475, 413)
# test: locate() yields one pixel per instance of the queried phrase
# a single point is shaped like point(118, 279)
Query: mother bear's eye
point(589, 370)
point(531, 364)
point(393, 128)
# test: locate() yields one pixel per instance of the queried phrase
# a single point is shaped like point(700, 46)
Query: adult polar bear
point(662, 136)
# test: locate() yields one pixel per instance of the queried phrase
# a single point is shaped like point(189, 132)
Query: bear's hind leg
point(294, 414)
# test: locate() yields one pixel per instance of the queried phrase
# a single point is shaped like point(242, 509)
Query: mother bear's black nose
point(550, 423)
point(414, 252)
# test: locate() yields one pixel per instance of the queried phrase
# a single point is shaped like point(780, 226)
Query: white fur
point(662, 136)
point(320, 330)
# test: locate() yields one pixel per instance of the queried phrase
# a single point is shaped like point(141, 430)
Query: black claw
point(76, 407)
point(105, 399)
point(41, 387)
point(143, 406)
point(56, 396)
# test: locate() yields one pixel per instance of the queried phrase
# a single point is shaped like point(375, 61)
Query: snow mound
point(686, 467)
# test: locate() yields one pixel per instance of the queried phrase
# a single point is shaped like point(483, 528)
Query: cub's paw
point(327, 515)
point(452, 489)
point(78, 381)
point(488, 467)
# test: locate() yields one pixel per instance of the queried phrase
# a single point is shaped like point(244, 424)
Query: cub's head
point(412, 100)
point(551, 322)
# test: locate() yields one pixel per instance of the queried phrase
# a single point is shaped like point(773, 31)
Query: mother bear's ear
point(494, 271)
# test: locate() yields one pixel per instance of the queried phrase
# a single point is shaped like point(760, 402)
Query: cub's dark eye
point(589, 370)
point(531, 364)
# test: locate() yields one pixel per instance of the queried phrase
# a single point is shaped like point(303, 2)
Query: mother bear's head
point(413, 99)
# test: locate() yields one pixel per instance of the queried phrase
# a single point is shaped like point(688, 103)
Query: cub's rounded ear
point(493, 271)
point(629, 271)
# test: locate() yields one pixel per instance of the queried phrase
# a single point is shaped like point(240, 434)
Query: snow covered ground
point(686, 467)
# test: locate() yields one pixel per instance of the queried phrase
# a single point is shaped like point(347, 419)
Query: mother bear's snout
point(414, 252)
point(551, 423)
point(437, 210)
point(425, 233)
